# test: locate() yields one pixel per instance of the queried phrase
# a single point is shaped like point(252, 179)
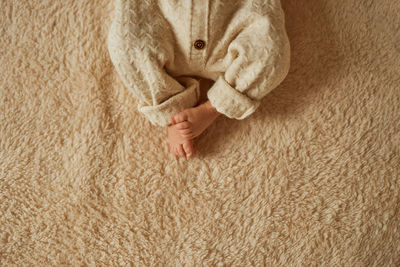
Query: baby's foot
point(180, 145)
point(193, 121)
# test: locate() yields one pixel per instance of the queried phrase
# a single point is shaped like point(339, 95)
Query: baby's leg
point(191, 122)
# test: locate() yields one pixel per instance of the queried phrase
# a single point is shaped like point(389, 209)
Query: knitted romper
point(160, 47)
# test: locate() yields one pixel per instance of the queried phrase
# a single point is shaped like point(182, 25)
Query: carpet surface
point(311, 178)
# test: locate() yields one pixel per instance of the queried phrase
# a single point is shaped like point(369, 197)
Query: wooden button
point(199, 44)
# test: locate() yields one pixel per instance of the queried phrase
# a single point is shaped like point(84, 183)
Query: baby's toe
point(173, 149)
point(185, 131)
point(181, 152)
point(183, 125)
point(187, 134)
point(188, 147)
point(179, 117)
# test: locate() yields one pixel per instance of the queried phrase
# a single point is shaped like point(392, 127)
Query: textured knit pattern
point(310, 179)
point(246, 53)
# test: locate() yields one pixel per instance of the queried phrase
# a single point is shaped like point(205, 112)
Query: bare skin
point(187, 125)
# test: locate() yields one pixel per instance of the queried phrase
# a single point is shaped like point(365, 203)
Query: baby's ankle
point(211, 108)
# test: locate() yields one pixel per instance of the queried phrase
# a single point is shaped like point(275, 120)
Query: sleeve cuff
point(230, 102)
point(160, 115)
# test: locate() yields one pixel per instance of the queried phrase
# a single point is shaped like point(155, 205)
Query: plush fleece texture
point(245, 51)
point(311, 178)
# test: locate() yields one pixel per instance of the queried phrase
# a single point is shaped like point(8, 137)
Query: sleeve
point(140, 51)
point(261, 61)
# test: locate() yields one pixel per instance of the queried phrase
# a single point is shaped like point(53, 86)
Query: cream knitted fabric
point(245, 50)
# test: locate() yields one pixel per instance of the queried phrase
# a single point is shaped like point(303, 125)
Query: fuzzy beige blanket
point(311, 178)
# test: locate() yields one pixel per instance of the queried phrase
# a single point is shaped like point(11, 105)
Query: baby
point(159, 47)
